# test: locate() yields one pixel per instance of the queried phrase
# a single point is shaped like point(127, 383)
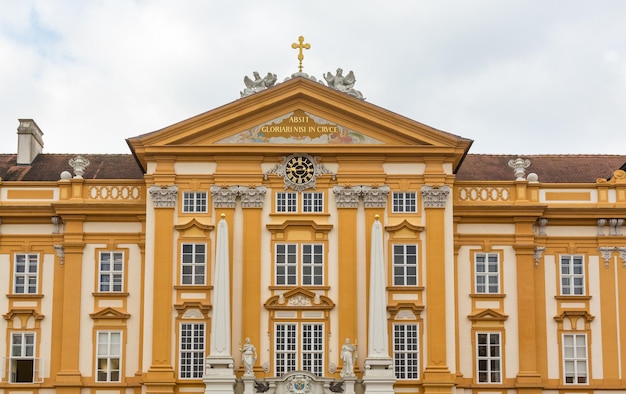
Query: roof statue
point(343, 83)
point(257, 84)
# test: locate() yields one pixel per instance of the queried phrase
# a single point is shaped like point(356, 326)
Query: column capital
point(252, 197)
point(375, 197)
point(224, 197)
point(347, 196)
point(435, 196)
point(164, 196)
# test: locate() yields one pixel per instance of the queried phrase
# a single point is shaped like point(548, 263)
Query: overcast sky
point(517, 77)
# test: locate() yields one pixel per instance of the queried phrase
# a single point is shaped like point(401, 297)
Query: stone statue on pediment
point(258, 83)
point(343, 83)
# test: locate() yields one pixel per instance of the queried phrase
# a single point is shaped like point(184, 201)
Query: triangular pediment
point(489, 315)
point(299, 298)
point(296, 112)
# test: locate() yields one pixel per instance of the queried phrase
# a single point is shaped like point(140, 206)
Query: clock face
point(299, 170)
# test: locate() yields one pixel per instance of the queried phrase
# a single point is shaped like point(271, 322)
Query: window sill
point(573, 297)
point(487, 295)
point(111, 294)
point(21, 296)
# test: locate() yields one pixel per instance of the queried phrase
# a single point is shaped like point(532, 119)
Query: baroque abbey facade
point(303, 240)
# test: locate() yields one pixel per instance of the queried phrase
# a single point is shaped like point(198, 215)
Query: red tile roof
point(48, 167)
point(549, 168)
point(475, 167)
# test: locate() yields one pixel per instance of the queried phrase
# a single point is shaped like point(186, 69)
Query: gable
point(297, 112)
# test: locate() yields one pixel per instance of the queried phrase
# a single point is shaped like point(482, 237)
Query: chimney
point(29, 141)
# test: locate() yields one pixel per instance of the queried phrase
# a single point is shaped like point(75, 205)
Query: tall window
point(26, 273)
point(575, 358)
point(404, 265)
point(286, 202)
point(111, 276)
point(192, 350)
point(299, 346)
point(108, 356)
point(487, 273)
point(489, 357)
point(404, 202)
point(194, 202)
point(288, 257)
point(22, 361)
point(406, 351)
point(572, 275)
point(193, 264)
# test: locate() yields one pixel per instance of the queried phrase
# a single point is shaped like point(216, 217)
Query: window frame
point(195, 202)
point(489, 358)
point(486, 274)
point(575, 359)
point(406, 361)
point(571, 277)
point(305, 202)
point(404, 202)
point(193, 266)
point(26, 275)
point(20, 361)
point(109, 356)
point(400, 270)
point(193, 364)
point(112, 273)
point(295, 267)
point(293, 356)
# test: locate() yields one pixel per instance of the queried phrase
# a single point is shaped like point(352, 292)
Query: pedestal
point(349, 384)
point(248, 384)
point(219, 375)
point(379, 376)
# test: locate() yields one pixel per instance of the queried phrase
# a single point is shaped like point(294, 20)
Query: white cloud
point(516, 76)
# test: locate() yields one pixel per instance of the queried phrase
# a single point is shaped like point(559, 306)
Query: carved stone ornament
point(519, 165)
point(226, 197)
point(435, 197)
point(375, 197)
point(258, 83)
point(299, 384)
point(538, 253)
point(347, 197)
point(343, 83)
point(541, 226)
point(606, 252)
point(252, 197)
point(299, 171)
point(79, 163)
point(164, 196)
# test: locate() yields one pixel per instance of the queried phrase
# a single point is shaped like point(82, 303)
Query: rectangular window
point(487, 273)
point(313, 348)
point(285, 348)
point(575, 358)
point(286, 264)
point(406, 351)
point(404, 202)
point(405, 265)
point(572, 275)
point(193, 264)
point(194, 202)
point(111, 276)
point(299, 264)
point(286, 202)
point(192, 350)
point(22, 361)
point(26, 273)
point(312, 264)
point(312, 202)
point(108, 356)
point(304, 351)
point(489, 358)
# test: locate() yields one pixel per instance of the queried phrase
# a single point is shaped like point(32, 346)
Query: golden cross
point(300, 46)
